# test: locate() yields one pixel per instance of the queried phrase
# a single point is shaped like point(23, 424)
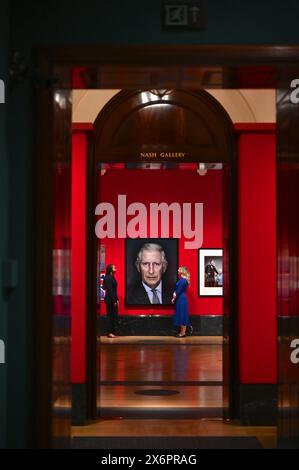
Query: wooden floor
point(191, 366)
point(127, 398)
point(161, 340)
point(160, 359)
point(170, 427)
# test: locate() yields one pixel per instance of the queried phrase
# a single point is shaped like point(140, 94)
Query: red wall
point(148, 186)
point(257, 257)
point(256, 248)
point(78, 276)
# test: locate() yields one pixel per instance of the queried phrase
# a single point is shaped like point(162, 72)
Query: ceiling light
point(202, 169)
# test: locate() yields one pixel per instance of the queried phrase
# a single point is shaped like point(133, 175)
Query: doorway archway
point(188, 67)
point(167, 121)
point(173, 128)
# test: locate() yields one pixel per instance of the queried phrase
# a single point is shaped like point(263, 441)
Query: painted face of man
point(151, 267)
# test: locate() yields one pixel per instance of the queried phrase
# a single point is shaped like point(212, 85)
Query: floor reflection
point(192, 367)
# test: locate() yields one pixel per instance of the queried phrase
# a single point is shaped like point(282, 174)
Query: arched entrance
point(55, 146)
point(136, 123)
point(172, 129)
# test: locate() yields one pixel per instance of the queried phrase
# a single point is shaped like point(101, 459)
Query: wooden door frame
point(123, 105)
point(57, 62)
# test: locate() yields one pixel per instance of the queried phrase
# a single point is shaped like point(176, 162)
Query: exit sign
point(182, 16)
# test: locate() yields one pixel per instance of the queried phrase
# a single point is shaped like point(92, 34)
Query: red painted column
point(257, 256)
point(78, 228)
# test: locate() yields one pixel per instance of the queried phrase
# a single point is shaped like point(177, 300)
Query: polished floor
point(160, 359)
point(165, 376)
point(190, 367)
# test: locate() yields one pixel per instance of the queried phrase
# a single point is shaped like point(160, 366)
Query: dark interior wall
point(3, 214)
point(129, 22)
point(21, 232)
point(92, 22)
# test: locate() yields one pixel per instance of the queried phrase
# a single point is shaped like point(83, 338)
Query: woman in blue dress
point(181, 311)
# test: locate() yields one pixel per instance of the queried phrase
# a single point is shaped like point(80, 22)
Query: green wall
point(138, 22)
point(3, 215)
point(21, 229)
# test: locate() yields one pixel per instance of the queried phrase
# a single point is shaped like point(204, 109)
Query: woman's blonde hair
point(185, 273)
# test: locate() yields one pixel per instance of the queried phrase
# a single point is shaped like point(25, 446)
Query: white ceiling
point(243, 106)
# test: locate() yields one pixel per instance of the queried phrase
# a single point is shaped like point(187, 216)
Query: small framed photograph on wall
point(101, 290)
point(210, 272)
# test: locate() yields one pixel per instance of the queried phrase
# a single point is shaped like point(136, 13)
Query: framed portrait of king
point(151, 271)
point(210, 272)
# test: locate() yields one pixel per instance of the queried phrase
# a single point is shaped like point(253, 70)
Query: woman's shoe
point(111, 335)
point(180, 336)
